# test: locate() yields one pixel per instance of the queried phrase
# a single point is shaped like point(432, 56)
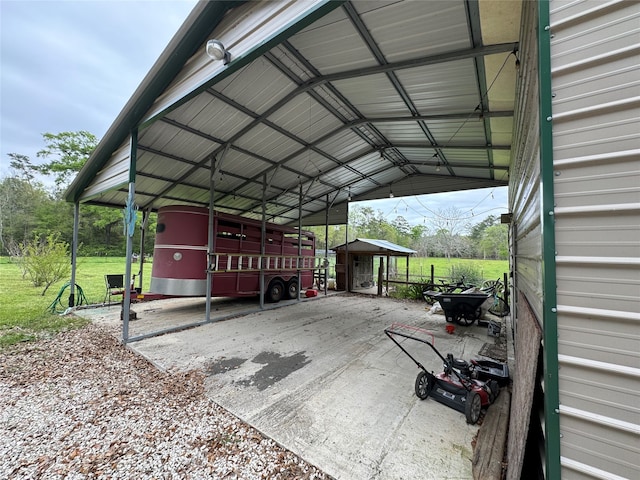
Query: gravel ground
point(80, 405)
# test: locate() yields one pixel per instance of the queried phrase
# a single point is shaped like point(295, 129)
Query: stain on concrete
point(276, 367)
point(223, 365)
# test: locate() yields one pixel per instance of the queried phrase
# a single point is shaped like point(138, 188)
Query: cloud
point(69, 66)
point(473, 206)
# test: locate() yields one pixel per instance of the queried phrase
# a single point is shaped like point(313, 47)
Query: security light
point(216, 50)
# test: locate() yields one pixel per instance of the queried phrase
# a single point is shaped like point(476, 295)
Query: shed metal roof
point(375, 246)
point(322, 101)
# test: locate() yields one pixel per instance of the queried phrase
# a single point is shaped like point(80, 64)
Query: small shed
point(355, 261)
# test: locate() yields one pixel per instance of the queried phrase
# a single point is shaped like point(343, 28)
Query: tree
point(449, 226)
point(19, 204)
point(66, 153)
point(495, 242)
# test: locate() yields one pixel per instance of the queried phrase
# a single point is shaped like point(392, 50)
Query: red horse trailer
point(180, 256)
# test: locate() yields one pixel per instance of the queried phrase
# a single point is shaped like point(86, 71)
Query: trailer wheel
point(424, 385)
point(472, 407)
point(275, 291)
point(292, 288)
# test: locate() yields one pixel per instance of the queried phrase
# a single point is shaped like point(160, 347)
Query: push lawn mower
point(466, 387)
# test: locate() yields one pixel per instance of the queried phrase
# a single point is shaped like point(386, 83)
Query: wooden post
point(407, 270)
point(380, 276)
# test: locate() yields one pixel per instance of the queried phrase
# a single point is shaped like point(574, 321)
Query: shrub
point(471, 272)
point(44, 260)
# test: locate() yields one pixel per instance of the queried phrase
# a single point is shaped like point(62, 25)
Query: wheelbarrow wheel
point(466, 314)
point(472, 407)
point(424, 385)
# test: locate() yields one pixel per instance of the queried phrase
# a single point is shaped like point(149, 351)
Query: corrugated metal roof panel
point(427, 28)
point(203, 114)
point(344, 144)
point(306, 118)
point(268, 86)
point(333, 45)
point(386, 101)
point(260, 20)
point(267, 142)
point(311, 163)
point(442, 88)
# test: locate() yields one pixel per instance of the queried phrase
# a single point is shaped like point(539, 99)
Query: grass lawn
point(450, 270)
point(24, 314)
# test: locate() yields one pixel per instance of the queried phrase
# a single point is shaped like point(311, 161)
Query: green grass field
point(24, 315)
point(474, 270)
point(23, 310)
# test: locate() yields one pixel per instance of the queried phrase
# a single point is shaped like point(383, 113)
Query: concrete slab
point(322, 379)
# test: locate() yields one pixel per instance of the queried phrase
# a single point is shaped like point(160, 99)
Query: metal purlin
point(550, 311)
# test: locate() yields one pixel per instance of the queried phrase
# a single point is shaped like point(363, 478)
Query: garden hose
point(80, 298)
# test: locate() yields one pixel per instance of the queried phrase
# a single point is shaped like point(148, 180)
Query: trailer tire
point(275, 291)
point(292, 289)
point(472, 407)
point(424, 384)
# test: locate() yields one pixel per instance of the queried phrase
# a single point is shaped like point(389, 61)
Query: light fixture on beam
point(215, 50)
point(390, 192)
point(435, 155)
point(349, 195)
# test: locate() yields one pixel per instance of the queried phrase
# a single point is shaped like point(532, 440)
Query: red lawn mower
point(467, 387)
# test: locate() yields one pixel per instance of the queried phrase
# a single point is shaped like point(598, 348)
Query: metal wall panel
point(526, 256)
point(596, 83)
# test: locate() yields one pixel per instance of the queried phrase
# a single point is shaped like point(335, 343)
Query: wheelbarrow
point(463, 308)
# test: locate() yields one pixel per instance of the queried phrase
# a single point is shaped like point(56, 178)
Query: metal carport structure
point(317, 104)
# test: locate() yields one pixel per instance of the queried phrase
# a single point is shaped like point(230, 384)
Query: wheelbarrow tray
point(463, 308)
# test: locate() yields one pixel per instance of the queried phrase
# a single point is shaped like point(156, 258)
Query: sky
point(72, 65)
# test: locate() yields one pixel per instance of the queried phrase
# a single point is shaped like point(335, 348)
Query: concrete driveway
point(322, 379)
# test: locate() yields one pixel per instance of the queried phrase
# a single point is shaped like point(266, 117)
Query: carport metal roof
point(322, 101)
point(372, 245)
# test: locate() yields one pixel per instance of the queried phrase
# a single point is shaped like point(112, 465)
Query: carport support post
point(74, 253)
point(210, 239)
point(387, 282)
point(300, 241)
point(263, 233)
point(143, 228)
point(129, 225)
point(347, 283)
point(326, 246)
